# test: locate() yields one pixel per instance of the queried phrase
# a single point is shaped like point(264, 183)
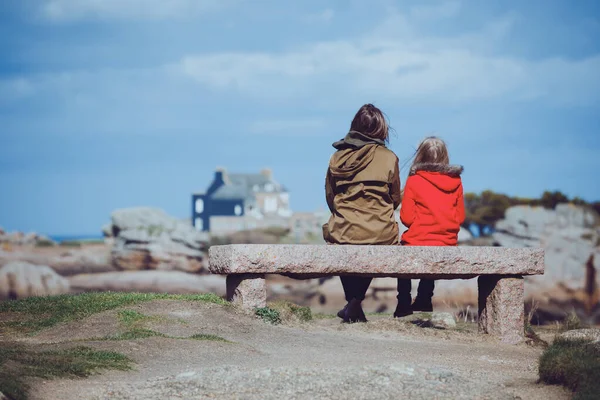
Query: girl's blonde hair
point(432, 150)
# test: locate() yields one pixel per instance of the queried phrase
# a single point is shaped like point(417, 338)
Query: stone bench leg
point(501, 307)
point(249, 291)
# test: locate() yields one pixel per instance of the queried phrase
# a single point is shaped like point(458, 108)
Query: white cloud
point(68, 10)
point(395, 70)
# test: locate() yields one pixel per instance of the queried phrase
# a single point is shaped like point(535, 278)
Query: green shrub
point(45, 243)
point(292, 312)
point(572, 322)
point(269, 315)
point(574, 364)
point(71, 243)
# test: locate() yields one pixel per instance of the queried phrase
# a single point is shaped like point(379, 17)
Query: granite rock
point(20, 279)
point(501, 309)
point(443, 320)
point(568, 234)
point(148, 238)
point(582, 334)
point(247, 291)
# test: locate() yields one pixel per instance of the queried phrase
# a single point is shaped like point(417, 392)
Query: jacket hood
point(356, 140)
point(355, 152)
point(444, 177)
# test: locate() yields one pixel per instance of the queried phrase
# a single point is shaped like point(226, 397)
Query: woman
point(363, 191)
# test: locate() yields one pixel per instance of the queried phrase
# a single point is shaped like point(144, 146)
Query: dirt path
point(384, 358)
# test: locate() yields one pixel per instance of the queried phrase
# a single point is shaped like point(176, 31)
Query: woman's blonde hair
point(432, 150)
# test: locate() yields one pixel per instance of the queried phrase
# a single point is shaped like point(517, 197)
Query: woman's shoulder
point(382, 151)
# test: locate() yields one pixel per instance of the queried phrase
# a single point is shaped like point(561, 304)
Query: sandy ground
point(384, 358)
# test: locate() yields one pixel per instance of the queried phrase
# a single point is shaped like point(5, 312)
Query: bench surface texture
point(390, 261)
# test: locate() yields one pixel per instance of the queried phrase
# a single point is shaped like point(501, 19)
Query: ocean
point(77, 238)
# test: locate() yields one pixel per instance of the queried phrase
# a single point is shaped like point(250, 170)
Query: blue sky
point(116, 103)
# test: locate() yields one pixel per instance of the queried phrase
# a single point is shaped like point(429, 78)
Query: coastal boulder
point(148, 238)
point(20, 279)
point(25, 239)
point(569, 235)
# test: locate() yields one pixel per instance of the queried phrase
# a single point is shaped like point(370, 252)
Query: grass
point(44, 312)
point(574, 364)
point(324, 316)
point(134, 321)
point(279, 311)
point(134, 318)
point(291, 312)
point(572, 322)
point(532, 337)
point(143, 333)
point(18, 362)
point(269, 315)
point(134, 334)
point(205, 336)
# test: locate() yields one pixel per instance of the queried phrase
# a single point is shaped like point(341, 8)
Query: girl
point(363, 191)
point(433, 210)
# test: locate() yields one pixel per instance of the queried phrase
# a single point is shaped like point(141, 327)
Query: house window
point(269, 187)
point(198, 223)
point(237, 210)
point(270, 204)
point(199, 206)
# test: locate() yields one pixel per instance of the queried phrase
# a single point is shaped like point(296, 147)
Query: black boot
point(402, 310)
point(354, 312)
point(424, 295)
point(342, 312)
point(422, 304)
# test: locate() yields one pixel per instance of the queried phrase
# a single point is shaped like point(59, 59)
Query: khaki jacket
point(362, 188)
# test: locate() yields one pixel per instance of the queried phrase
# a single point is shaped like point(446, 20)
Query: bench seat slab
point(375, 261)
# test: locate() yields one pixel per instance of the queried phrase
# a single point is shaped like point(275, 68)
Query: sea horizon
point(84, 237)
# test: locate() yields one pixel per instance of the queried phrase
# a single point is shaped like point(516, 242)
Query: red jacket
point(433, 207)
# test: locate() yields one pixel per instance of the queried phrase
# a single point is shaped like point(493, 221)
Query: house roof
point(230, 192)
point(244, 186)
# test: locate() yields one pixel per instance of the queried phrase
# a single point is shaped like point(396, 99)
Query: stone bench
point(499, 270)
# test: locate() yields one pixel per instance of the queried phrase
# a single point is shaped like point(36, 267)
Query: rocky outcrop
point(148, 238)
point(77, 261)
point(592, 335)
point(20, 279)
point(569, 235)
point(25, 239)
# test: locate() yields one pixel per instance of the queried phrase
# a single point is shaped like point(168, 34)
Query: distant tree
point(551, 199)
point(483, 211)
point(596, 206)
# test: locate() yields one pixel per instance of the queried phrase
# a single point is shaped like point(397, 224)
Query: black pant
point(425, 290)
point(355, 287)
